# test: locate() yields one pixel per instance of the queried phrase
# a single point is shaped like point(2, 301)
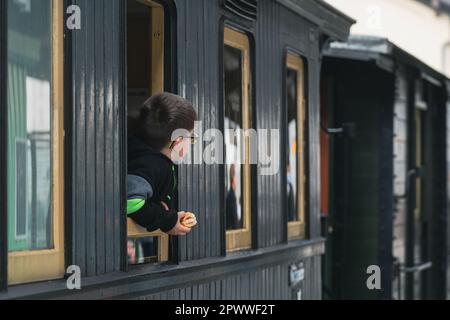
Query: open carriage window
point(145, 61)
point(35, 140)
point(237, 117)
point(295, 167)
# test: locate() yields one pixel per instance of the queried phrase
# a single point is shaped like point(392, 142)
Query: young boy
point(152, 173)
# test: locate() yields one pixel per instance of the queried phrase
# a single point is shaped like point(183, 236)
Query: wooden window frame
point(296, 229)
point(420, 113)
point(3, 153)
point(157, 85)
point(421, 108)
point(40, 265)
point(241, 239)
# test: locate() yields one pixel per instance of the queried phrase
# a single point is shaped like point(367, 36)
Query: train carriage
point(71, 76)
point(385, 173)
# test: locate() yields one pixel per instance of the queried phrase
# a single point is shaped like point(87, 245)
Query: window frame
point(297, 229)
point(419, 118)
point(158, 81)
point(49, 264)
point(3, 155)
point(241, 239)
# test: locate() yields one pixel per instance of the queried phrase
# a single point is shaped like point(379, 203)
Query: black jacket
point(152, 176)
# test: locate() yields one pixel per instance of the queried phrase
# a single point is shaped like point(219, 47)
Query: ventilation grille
point(247, 9)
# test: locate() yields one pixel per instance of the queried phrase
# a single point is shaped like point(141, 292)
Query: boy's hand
point(179, 229)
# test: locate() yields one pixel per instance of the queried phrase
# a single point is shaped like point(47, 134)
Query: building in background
point(420, 27)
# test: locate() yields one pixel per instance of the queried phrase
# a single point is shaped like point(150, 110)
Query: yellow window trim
point(156, 86)
point(30, 266)
point(419, 162)
point(136, 231)
point(157, 72)
point(241, 239)
point(296, 229)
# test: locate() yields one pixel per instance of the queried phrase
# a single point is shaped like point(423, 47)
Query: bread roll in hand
point(189, 220)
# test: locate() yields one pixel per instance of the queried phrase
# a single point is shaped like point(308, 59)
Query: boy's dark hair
point(161, 115)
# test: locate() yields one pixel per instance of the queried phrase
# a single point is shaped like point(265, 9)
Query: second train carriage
point(384, 171)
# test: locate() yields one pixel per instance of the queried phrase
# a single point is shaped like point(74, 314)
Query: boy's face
point(181, 147)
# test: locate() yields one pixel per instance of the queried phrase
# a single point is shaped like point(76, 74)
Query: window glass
point(292, 99)
point(296, 157)
point(237, 122)
point(233, 140)
point(139, 55)
point(29, 163)
point(142, 250)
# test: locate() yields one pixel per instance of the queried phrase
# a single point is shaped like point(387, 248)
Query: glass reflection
point(233, 138)
point(292, 104)
point(142, 250)
point(29, 59)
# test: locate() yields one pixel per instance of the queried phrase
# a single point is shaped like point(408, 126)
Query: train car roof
point(330, 20)
point(384, 52)
point(440, 6)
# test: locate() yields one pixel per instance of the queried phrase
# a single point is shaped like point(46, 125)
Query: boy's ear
point(176, 142)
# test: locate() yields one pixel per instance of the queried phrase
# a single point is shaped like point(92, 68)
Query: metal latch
point(417, 268)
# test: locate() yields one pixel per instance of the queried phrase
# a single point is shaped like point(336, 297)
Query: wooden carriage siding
point(95, 69)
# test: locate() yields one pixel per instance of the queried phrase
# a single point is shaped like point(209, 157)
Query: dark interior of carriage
point(141, 249)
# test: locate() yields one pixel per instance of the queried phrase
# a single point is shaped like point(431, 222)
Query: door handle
point(417, 268)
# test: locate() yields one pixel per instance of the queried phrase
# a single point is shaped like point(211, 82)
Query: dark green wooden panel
point(97, 133)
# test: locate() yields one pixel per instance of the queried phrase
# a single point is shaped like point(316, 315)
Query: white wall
point(409, 24)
